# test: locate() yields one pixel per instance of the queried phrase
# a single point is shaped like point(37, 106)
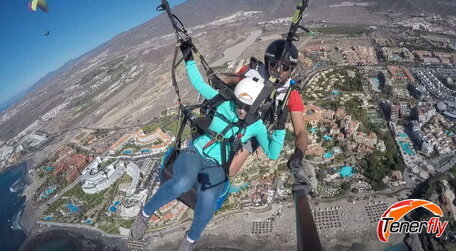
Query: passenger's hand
point(186, 49)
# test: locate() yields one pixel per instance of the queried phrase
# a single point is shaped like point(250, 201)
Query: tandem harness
point(200, 125)
point(229, 146)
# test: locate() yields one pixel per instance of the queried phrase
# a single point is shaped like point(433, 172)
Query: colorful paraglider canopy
point(34, 4)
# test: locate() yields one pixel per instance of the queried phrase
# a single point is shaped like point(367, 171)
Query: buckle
point(218, 137)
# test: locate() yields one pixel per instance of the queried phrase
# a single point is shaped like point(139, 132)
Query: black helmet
point(275, 49)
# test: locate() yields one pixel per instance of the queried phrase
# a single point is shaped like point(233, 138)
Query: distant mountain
point(427, 7)
point(117, 82)
point(10, 101)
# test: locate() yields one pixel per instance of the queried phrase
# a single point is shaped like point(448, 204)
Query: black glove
point(300, 172)
point(282, 119)
point(186, 49)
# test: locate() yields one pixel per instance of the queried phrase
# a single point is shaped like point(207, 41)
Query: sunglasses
point(285, 66)
point(242, 106)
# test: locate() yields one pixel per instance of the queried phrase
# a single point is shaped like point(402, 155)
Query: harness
point(200, 125)
point(273, 105)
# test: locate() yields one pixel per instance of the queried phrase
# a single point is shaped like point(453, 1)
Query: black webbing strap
point(177, 145)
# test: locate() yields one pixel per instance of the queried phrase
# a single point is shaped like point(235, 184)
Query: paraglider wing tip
point(38, 3)
point(31, 6)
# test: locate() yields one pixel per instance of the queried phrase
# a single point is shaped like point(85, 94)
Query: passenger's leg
point(185, 170)
point(210, 185)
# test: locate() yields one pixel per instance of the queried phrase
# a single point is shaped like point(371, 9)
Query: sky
point(75, 27)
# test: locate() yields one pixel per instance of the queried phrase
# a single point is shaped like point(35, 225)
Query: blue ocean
point(12, 203)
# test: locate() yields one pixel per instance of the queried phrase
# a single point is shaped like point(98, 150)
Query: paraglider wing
point(42, 4)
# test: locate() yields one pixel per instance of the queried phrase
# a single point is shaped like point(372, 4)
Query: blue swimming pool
point(48, 218)
point(88, 221)
point(145, 151)
point(327, 137)
point(346, 171)
point(72, 208)
point(403, 135)
point(328, 154)
point(406, 148)
point(114, 206)
point(335, 92)
point(235, 189)
point(313, 130)
point(48, 168)
point(127, 152)
point(48, 192)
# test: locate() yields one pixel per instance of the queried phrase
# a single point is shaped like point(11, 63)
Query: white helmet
point(248, 89)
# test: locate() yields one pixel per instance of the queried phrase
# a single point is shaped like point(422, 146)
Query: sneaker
point(139, 227)
point(186, 245)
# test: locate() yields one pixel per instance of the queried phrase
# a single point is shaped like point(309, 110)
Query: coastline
point(28, 215)
point(78, 237)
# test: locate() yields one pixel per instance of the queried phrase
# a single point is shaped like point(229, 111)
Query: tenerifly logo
point(390, 220)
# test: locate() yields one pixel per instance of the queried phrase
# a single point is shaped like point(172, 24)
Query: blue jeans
point(190, 169)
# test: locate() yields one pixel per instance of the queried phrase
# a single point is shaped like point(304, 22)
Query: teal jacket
point(271, 144)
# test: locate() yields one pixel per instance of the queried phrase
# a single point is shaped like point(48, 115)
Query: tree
point(345, 186)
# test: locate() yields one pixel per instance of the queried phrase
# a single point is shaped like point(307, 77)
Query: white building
point(97, 180)
point(133, 172)
point(130, 208)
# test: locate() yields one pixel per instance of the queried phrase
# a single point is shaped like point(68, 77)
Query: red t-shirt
point(295, 103)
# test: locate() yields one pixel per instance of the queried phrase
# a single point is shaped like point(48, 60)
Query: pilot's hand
point(300, 172)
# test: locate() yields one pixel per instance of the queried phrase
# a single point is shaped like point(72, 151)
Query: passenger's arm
point(271, 144)
point(197, 81)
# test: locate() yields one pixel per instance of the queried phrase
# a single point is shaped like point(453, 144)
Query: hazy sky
point(75, 26)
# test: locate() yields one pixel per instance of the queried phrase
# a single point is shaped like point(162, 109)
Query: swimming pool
point(127, 152)
point(328, 154)
point(72, 208)
point(48, 218)
point(406, 148)
point(346, 171)
point(327, 137)
point(235, 189)
point(114, 206)
point(48, 168)
point(48, 192)
point(145, 151)
point(335, 92)
point(403, 135)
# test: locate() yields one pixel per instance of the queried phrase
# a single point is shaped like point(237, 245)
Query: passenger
point(201, 162)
